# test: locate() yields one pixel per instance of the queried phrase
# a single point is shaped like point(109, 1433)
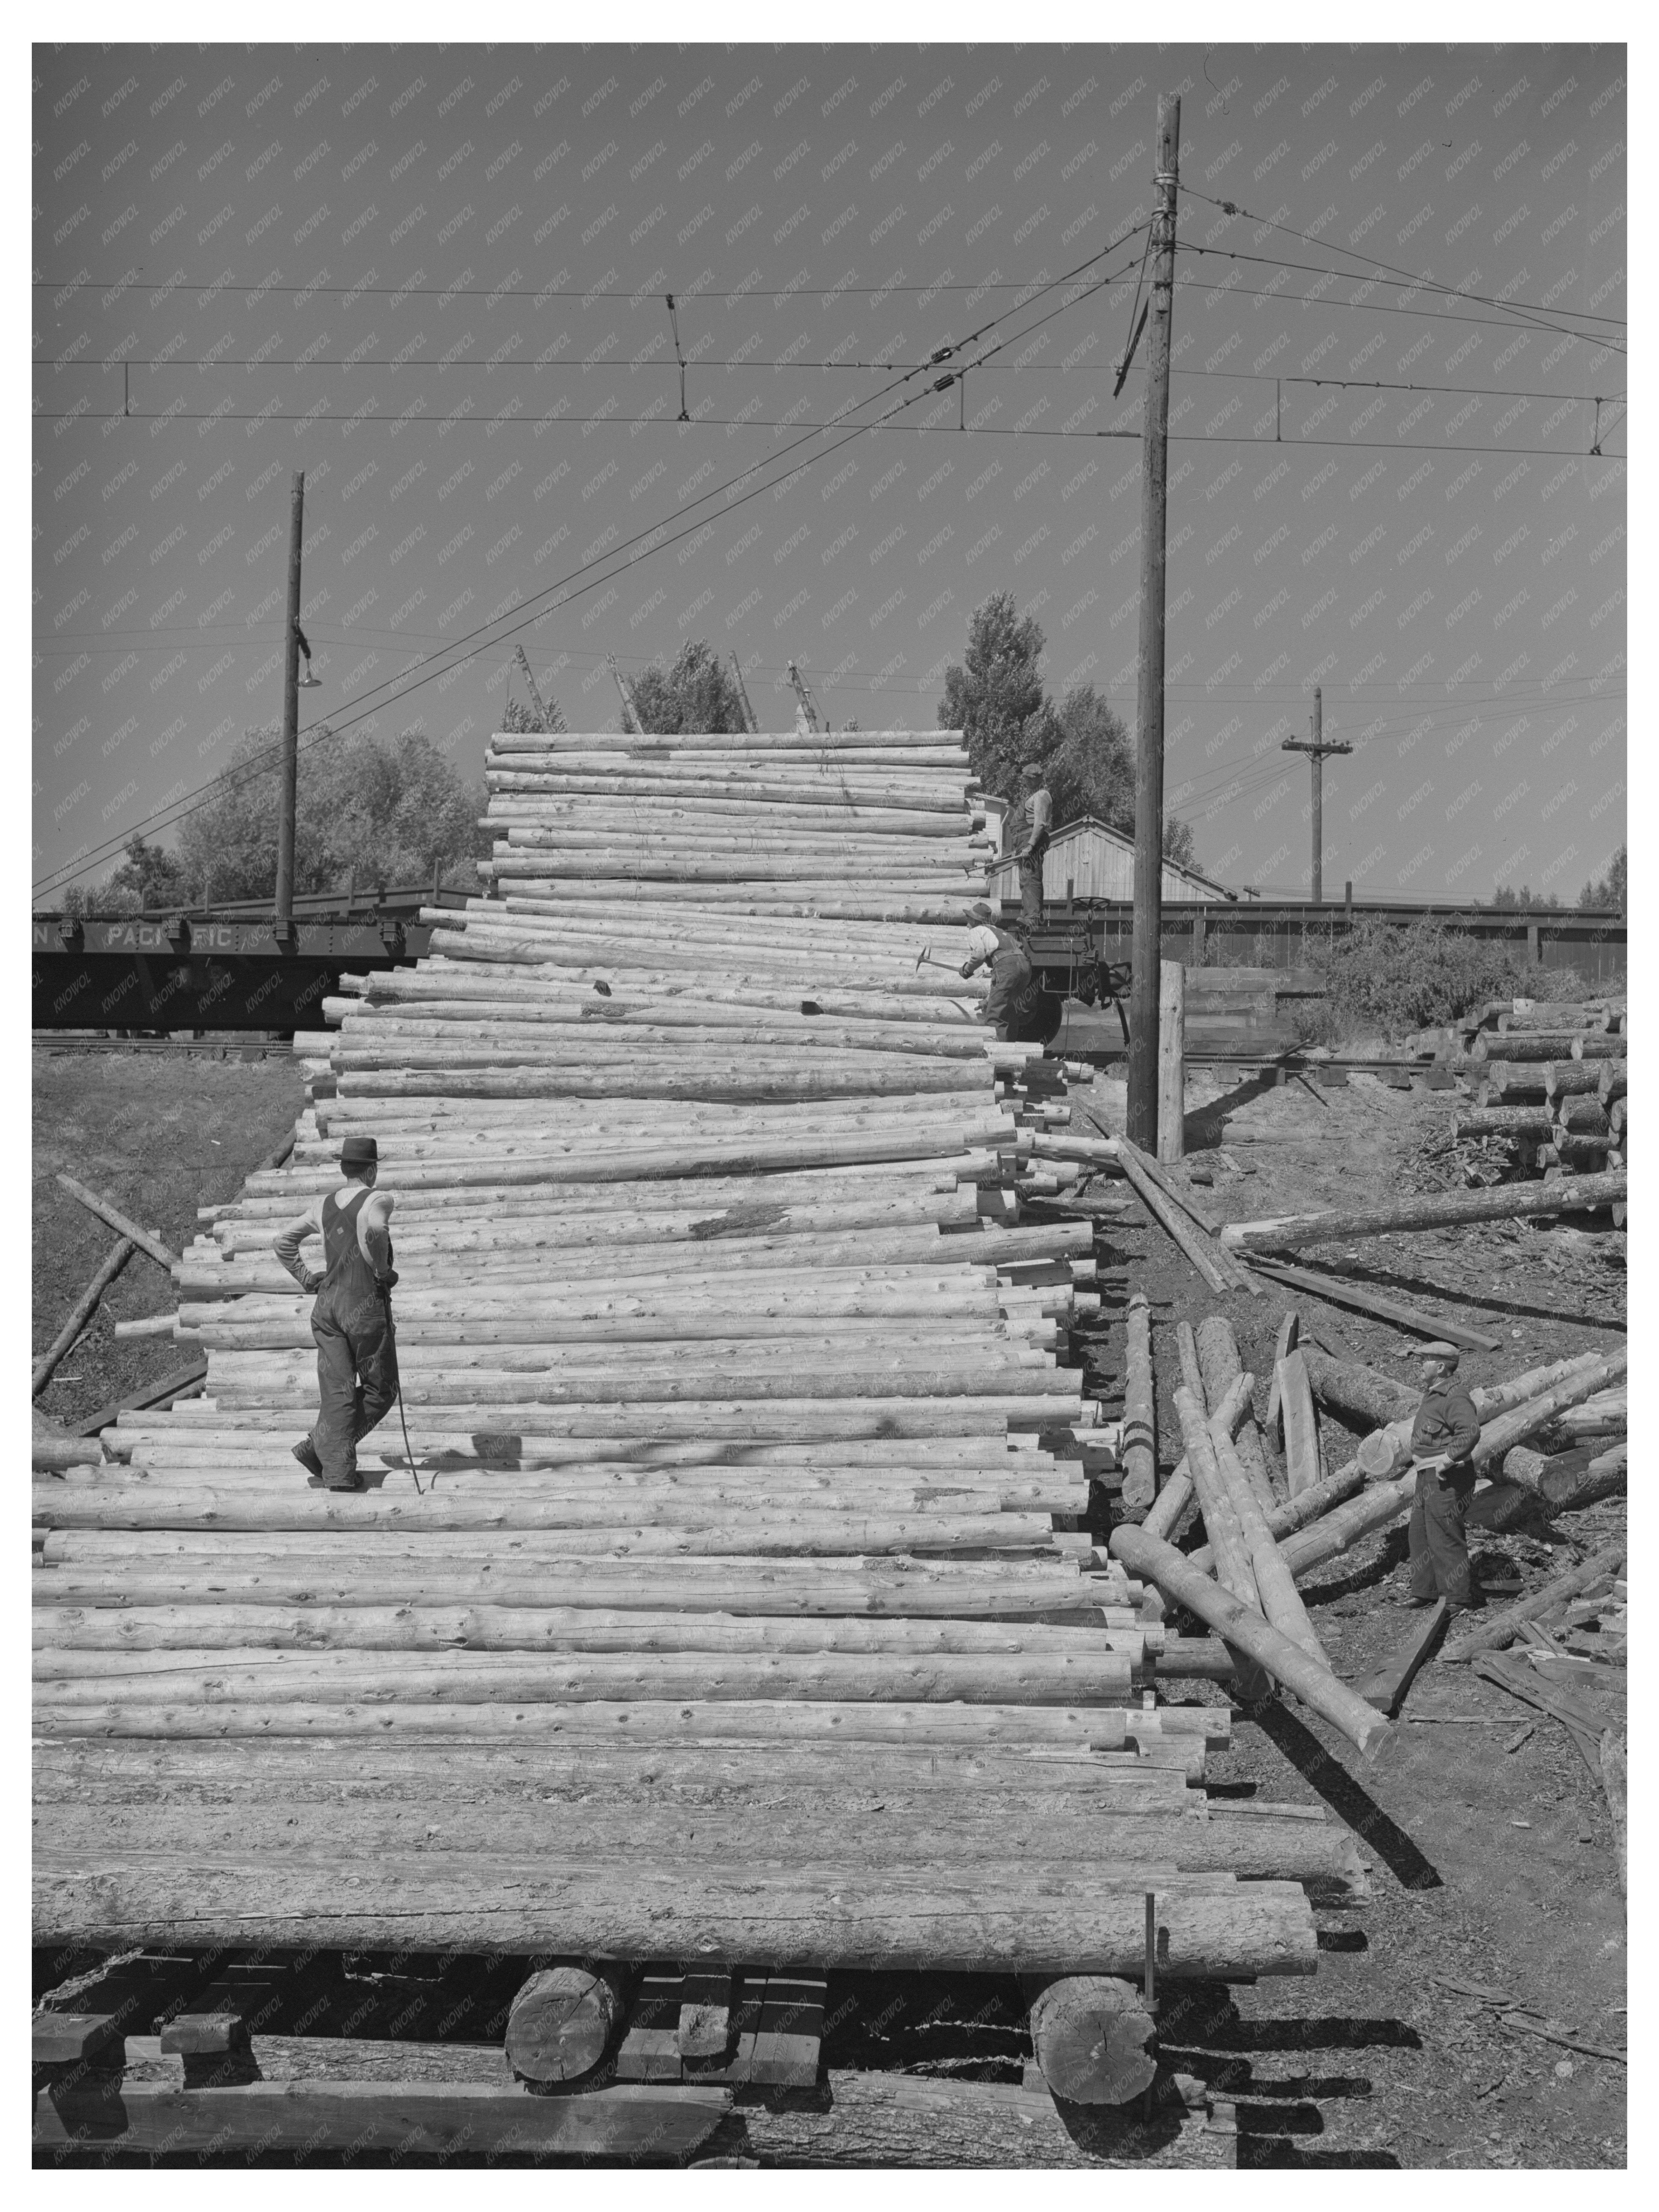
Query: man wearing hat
point(1031, 825)
point(1443, 1434)
point(351, 1320)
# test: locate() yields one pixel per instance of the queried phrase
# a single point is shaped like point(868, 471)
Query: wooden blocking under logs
point(75, 2039)
point(562, 2019)
point(1093, 2037)
point(442, 2119)
point(704, 2028)
point(1296, 1404)
point(772, 2032)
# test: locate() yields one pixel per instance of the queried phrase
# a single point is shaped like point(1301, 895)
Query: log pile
point(1552, 1079)
point(741, 1552)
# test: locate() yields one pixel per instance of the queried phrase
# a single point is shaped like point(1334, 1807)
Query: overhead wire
point(167, 817)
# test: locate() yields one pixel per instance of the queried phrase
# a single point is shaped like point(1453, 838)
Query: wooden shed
point(1098, 862)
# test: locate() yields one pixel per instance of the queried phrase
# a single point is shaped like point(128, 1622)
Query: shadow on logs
point(1347, 1797)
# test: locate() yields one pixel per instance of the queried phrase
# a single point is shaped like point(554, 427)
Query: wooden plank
point(1337, 1292)
point(1387, 1685)
point(1301, 1422)
point(418, 2120)
point(179, 1382)
point(788, 2041)
point(703, 2029)
point(157, 1250)
point(650, 2050)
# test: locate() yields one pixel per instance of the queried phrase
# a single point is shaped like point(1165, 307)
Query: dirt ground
point(159, 1133)
point(1491, 1866)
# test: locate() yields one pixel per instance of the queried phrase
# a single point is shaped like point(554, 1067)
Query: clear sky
point(434, 280)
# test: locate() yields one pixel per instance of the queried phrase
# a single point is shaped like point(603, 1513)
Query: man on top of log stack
point(1445, 1432)
point(351, 1320)
point(1037, 811)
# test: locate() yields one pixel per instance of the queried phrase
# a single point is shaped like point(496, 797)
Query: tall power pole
point(1317, 751)
point(288, 778)
point(1149, 734)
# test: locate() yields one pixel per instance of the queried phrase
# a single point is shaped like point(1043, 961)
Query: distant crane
point(806, 711)
point(749, 723)
point(543, 721)
point(630, 712)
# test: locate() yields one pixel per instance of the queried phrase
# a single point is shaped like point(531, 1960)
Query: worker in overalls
point(1031, 824)
point(351, 1320)
point(1017, 1006)
point(1444, 1432)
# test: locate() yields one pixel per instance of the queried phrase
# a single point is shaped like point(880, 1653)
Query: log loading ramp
point(737, 1614)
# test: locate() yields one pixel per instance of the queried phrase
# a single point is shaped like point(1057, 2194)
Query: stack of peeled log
point(1240, 1582)
point(1552, 1079)
point(747, 1442)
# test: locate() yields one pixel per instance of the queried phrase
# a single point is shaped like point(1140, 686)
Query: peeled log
point(986, 1917)
point(1181, 1582)
point(1308, 1506)
point(1139, 1449)
point(1094, 2040)
point(1508, 1201)
point(1221, 1525)
point(1361, 1393)
point(1296, 1405)
point(1274, 1579)
point(1220, 1365)
point(562, 2020)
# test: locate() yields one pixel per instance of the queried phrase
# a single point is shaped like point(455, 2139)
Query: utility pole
point(1145, 956)
point(288, 778)
point(630, 712)
point(542, 722)
point(808, 711)
point(1317, 751)
point(752, 726)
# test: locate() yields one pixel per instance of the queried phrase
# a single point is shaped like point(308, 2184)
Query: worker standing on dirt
point(351, 1320)
point(1443, 1434)
point(1031, 826)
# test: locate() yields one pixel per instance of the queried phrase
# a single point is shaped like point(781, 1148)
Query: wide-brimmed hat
point(359, 1152)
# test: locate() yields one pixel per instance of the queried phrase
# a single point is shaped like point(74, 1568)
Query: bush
point(1386, 977)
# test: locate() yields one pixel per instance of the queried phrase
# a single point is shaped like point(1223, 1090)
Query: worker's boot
point(305, 1452)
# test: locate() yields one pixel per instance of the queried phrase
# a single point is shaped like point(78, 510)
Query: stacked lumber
point(747, 1452)
point(1552, 1079)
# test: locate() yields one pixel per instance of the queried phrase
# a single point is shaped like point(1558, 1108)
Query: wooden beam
point(1388, 1684)
point(413, 2119)
point(117, 1220)
point(1337, 1290)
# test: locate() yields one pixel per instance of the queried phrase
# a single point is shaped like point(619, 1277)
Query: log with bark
point(1506, 1202)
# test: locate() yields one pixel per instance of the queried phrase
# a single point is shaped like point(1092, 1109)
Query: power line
point(919, 429)
point(885, 367)
point(1392, 268)
point(646, 296)
point(162, 816)
point(1372, 307)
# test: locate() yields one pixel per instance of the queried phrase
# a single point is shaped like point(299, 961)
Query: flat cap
point(1447, 1351)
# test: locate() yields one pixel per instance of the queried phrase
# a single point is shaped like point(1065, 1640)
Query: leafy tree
point(382, 812)
point(695, 694)
point(1508, 899)
point(995, 696)
point(150, 874)
point(1611, 892)
point(1179, 843)
point(523, 718)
